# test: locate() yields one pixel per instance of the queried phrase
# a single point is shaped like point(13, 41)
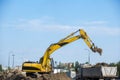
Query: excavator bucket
point(99, 50)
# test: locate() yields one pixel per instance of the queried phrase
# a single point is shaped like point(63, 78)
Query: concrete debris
point(18, 75)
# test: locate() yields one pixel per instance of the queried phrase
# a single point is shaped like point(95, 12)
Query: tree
point(118, 68)
point(112, 64)
point(87, 63)
point(0, 67)
point(77, 66)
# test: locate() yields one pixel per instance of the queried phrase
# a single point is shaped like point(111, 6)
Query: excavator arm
point(69, 39)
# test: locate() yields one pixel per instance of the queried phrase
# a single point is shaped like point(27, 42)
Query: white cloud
point(47, 24)
point(111, 31)
point(40, 25)
point(95, 22)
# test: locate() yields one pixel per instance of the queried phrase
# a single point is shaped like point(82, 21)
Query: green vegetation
point(118, 68)
point(0, 67)
point(76, 66)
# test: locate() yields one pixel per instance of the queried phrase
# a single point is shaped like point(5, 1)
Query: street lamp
point(13, 60)
point(9, 59)
point(88, 56)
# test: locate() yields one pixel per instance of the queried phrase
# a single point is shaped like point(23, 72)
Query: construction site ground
point(19, 75)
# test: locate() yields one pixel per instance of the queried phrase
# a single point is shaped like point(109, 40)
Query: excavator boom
point(44, 63)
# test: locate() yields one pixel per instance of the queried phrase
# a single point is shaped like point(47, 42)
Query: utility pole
point(13, 61)
point(9, 59)
point(88, 56)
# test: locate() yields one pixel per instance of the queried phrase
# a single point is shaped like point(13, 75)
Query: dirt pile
point(59, 76)
point(18, 75)
point(101, 64)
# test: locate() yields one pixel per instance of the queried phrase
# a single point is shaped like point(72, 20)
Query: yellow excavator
point(44, 64)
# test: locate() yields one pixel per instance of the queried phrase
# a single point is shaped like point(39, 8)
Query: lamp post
point(88, 56)
point(9, 59)
point(13, 60)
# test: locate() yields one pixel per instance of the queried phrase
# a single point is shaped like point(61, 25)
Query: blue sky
point(28, 27)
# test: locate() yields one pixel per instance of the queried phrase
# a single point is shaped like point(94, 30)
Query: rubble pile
point(59, 76)
point(101, 64)
point(18, 75)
